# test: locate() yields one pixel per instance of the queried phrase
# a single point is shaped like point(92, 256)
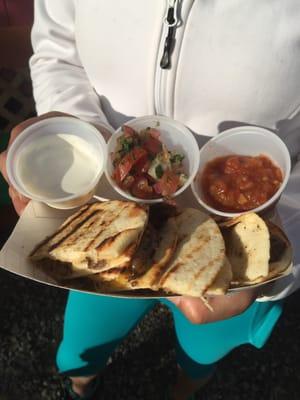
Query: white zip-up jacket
point(232, 62)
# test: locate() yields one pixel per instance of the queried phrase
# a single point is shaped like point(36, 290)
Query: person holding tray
point(210, 65)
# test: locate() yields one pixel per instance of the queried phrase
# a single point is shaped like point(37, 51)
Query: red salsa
point(239, 183)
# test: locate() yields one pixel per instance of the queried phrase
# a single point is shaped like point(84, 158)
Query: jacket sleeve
point(289, 213)
point(60, 82)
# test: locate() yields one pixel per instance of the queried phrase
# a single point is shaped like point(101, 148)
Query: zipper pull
point(171, 21)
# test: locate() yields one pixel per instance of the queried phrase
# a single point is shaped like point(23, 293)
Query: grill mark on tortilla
point(143, 258)
point(199, 273)
point(103, 225)
point(106, 242)
point(203, 242)
point(197, 248)
point(174, 269)
point(161, 268)
point(79, 225)
point(72, 219)
point(63, 227)
point(130, 249)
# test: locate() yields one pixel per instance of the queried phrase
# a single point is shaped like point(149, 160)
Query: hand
point(18, 200)
point(223, 306)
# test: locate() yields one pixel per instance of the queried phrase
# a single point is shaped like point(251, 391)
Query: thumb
point(176, 300)
point(20, 202)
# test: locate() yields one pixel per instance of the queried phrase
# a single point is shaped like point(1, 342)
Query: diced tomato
point(168, 184)
point(154, 133)
point(128, 131)
point(127, 162)
point(154, 146)
point(232, 165)
point(143, 165)
point(133, 157)
point(142, 189)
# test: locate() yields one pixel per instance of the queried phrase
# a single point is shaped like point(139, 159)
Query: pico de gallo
point(144, 166)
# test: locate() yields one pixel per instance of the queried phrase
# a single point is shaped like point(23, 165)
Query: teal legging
point(95, 325)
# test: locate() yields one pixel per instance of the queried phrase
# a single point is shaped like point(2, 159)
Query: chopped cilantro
point(126, 144)
point(176, 158)
point(159, 171)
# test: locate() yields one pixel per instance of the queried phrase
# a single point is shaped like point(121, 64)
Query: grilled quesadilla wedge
point(281, 256)
point(168, 237)
point(222, 281)
point(248, 247)
point(148, 264)
point(101, 282)
point(199, 255)
point(100, 236)
point(141, 260)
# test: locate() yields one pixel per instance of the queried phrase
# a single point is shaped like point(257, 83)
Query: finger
point(16, 195)
point(175, 300)
point(19, 206)
point(193, 308)
point(19, 201)
point(3, 165)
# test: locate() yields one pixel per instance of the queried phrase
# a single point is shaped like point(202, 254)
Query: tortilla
point(100, 236)
point(148, 264)
point(248, 247)
point(168, 236)
point(112, 247)
point(281, 257)
point(199, 255)
point(222, 282)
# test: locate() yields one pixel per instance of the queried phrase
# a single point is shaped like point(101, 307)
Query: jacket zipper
point(171, 23)
point(165, 50)
point(167, 57)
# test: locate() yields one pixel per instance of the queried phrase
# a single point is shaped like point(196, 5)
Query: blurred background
point(16, 103)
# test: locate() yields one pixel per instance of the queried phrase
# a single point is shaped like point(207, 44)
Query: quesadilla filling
point(144, 166)
point(277, 248)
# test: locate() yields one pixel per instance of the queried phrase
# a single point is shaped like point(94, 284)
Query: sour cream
point(56, 166)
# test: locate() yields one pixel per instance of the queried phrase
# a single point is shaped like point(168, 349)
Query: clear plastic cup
point(38, 139)
point(248, 141)
point(174, 135)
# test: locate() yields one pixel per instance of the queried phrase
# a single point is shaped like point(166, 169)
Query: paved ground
point(31, 320)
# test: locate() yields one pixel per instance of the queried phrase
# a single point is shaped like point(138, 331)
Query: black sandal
point(71, 395)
